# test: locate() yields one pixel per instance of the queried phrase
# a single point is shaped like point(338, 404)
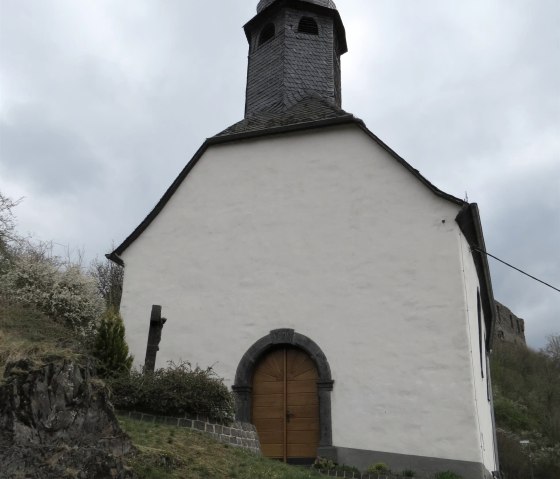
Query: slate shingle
point(293, 64)
point(324, 3)
point(310, 109)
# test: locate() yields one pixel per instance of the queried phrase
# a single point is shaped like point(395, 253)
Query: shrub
point(324, 464)
point(57, 288)
point(7, 219)
point(108, 278)
point(379, 467)
point(110, 348)
point(347, 469)
point(408, 473)
point(177, 390)
point(511, 414)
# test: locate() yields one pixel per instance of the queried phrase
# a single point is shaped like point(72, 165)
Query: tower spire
point(294, 52)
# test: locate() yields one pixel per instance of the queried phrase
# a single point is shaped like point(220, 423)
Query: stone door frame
point(285, 337)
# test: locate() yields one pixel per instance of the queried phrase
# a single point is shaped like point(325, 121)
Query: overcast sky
point(102, 102)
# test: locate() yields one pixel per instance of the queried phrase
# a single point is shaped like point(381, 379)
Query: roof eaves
point(304, 125)
point(115, 255)
point(410, 168)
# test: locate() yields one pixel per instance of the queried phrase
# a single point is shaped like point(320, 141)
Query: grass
point(171, 452)
point(28, 334)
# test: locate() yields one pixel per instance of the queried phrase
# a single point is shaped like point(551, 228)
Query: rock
point(57, 421)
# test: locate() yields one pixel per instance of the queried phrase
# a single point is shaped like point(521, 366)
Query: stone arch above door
point(244, 375)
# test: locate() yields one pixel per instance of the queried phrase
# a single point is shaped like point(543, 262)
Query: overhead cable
point(515, 268)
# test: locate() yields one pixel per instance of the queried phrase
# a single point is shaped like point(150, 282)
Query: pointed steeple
point(294, 53)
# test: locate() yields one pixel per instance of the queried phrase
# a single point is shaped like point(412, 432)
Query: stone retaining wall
point(237, 434)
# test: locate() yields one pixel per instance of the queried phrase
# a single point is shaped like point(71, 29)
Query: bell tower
point(294, 52)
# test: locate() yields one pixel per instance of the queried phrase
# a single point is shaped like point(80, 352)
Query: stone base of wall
point(424, 467)
point(237, 434)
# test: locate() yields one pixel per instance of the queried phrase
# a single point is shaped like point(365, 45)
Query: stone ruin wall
point(509, 328)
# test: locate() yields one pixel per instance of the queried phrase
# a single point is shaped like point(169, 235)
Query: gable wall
point(325, 233)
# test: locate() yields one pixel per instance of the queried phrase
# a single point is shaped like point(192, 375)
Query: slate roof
point(324, 3)
point(310, 109)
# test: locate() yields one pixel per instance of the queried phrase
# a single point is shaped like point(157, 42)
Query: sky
point(103, 102)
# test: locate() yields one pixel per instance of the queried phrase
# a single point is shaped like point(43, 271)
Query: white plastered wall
point(323, 232)
point(480, 365)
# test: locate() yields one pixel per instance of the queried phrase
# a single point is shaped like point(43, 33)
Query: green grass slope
point(26, 333)
point(172, 452)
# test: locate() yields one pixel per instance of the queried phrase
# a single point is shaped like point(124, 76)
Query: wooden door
point(286, 405)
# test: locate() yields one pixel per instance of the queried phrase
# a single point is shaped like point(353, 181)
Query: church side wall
point(480, 360)
point(325, 233)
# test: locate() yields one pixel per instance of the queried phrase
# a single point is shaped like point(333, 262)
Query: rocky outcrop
point(56, 421)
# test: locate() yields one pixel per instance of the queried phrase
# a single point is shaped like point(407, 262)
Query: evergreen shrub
point(177, 390)
point(110, 348)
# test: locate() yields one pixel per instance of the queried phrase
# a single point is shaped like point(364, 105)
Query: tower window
point(267, 33)
point(308, 25)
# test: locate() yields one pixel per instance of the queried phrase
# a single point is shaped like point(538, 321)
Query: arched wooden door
point(285, 405)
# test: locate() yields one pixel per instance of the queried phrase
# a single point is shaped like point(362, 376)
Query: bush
point(408, 473)
point(176, 390)
point(324, 464)
point(110, 348)
point(108, 278)
point(379, 467)
point(57, 288)
point(511, 414)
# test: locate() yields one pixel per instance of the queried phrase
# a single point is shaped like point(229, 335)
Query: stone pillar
point(324, 389)
point(242, 403)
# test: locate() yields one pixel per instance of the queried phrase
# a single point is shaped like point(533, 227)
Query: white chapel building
point(337, 291)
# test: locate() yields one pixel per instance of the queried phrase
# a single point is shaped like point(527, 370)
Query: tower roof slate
point(323, 3)
point(310, 109)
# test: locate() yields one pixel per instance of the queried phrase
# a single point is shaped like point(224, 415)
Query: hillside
point(170, 452)
point(162, 452)
point(527, 408)
point(27, 333)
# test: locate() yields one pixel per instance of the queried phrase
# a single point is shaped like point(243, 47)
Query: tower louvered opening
point(267, 33)
point(308, 25)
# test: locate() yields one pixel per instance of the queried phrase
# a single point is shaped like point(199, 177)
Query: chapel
point(341, 295)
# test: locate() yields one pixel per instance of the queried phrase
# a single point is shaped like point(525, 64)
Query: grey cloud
point(47, 154)
point(119, 98)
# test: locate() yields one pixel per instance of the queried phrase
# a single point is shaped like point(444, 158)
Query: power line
point(516, 269)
